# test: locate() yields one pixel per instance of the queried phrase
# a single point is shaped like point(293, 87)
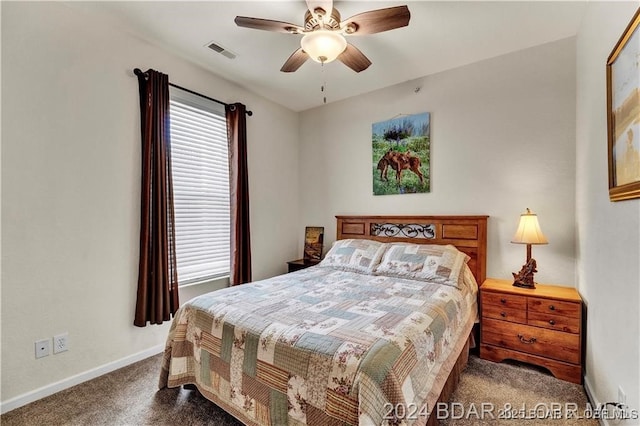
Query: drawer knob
point(551, 307)
point(527, 341)
point(503, 314)
point(503, 300)
point(552, 322)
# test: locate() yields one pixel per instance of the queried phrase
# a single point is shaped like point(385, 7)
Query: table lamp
point(528, 233)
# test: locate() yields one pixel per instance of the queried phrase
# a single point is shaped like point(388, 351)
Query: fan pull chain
point(324, 85)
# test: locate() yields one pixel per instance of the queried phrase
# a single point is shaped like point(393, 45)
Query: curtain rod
point(138, 71)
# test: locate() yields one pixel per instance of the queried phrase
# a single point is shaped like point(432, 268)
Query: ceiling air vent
point(221, 50)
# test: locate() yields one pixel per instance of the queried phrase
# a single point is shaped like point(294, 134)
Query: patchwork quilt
point(321, 346)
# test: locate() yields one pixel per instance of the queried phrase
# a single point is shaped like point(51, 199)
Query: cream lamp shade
point(323, 45)
point(529, 231)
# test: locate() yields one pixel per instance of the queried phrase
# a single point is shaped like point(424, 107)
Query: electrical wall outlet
point(61, 343)
point(43, 348)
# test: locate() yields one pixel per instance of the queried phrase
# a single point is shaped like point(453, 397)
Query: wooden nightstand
point(296, 265)
point(541, 326)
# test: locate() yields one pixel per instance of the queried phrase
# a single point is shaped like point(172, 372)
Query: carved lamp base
point(524, 278)
point(523, 284)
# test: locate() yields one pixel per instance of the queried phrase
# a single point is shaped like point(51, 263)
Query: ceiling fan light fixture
point(323, 45)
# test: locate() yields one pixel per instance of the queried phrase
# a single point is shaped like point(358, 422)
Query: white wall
point(502, 140)
point(0, 202)
point(608, 236)
point(503, 133)
point(70, 188)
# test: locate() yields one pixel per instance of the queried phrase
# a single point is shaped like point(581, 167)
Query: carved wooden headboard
point(467, 233)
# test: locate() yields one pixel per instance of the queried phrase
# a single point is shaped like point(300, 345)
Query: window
point(200, 169)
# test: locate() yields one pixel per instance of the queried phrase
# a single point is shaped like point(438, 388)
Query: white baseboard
point(44, 391)
point(593, 400)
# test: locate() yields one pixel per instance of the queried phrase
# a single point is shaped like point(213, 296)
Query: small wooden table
point(296, 265)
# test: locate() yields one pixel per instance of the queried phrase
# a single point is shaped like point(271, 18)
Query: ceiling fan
point(323, 33)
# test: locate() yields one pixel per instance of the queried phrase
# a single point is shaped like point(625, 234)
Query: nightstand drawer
point(554, 322)
point(533, 340)
point(556, 307)
point(506, 314)
point(504, 300)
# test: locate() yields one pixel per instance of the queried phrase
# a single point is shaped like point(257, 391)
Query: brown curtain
point(157, 276)
point(239, 187)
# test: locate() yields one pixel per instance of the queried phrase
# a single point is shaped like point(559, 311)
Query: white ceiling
point(440, 36)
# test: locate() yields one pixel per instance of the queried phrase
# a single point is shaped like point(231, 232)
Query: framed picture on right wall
point(623, 114)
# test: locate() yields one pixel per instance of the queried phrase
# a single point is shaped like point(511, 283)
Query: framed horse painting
point(401, 155)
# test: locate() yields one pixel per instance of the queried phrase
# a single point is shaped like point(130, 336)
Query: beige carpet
point(130, 396)
point(508, 388)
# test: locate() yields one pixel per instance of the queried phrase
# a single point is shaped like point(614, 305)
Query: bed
point(366, 337)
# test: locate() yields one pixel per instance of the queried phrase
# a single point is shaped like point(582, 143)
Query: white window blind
point(200, 170)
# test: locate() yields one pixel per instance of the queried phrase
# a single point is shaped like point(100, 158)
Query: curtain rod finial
point(140, 73)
